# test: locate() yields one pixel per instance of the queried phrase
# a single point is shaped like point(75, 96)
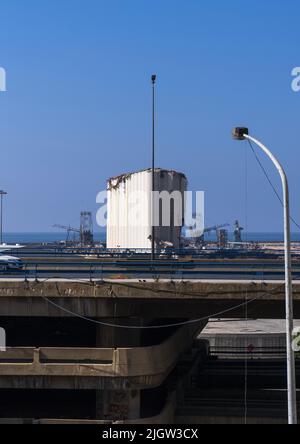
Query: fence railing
point(251, 351)
point(62, 251)
point(145, 269)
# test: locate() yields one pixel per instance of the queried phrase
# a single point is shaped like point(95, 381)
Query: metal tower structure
point(238, 231)
point(200, 239)
point(222, 236)
point(86, 228)
point(69, 231)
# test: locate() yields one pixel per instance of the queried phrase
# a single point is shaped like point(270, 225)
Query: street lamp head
point(3, 193)
point(153, 78)
point(239, 133)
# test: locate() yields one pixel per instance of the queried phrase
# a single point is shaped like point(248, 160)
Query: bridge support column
point(118, 405)
point(113, 337)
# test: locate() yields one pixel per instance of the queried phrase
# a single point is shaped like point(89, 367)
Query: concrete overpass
point(146, 299)
point(102, 337)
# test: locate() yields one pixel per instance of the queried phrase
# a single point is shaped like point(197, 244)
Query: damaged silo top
point(114, 182)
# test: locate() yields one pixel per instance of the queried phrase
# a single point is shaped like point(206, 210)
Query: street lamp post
point(153, 79)
point(2, 194)
point(243, 134)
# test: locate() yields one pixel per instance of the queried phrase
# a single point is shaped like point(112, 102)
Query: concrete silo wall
point(129, 218)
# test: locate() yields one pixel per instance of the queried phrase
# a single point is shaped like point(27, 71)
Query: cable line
point(270, 182)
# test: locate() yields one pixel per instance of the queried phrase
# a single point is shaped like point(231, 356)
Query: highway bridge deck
point(146, 299)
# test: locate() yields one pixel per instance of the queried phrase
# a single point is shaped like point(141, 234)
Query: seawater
point(25, 238)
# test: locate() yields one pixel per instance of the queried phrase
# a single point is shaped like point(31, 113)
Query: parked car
point(10, 263)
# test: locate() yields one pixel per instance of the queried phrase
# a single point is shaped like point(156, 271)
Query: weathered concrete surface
point(165, 417)
point(228, 420)
point(168, 299)
point(131, 368)
point(149, 289)
point(254, 339)
point(242, 327)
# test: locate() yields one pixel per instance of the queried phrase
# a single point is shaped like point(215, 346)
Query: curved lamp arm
point(243, 134)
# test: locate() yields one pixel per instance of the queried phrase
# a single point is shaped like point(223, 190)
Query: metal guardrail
point(148, 270)
point(250, 351)
point(163, 263)
point(130, 253)
point(95, 266)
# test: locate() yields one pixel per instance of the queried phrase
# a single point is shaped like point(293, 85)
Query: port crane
point(85, 231)
point(199, 239)
point(215, 228)
point(238, 232)
point(69, 230)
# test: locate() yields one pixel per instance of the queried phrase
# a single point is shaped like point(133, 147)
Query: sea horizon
point(55, 237)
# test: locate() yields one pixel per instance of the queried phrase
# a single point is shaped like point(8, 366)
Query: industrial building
point(131, 208)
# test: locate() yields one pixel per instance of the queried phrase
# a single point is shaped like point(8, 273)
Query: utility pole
point(153, 78)
point(243, 134)
point(2, 194)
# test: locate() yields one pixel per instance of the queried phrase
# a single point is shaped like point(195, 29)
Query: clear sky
point(78, 105)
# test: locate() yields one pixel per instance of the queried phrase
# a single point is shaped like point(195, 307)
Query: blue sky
point(77, 108)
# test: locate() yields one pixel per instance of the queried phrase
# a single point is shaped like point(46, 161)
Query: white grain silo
point(129, 209)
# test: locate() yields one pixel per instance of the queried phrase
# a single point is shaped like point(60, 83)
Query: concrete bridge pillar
point(118, 405)
point(114, 337)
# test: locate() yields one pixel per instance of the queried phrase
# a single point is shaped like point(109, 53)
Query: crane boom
point(215, 228)
point(70, 229)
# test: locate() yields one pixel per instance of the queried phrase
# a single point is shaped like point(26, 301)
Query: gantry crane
point(69, 230)
point(85, 231)
point(199, 239)
point(238, 232)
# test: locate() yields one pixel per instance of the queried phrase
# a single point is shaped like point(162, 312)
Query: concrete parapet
point(125, 367)
point(131, 298)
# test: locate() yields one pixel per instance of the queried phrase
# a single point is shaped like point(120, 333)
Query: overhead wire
point(270, 181)
point(154, 327)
